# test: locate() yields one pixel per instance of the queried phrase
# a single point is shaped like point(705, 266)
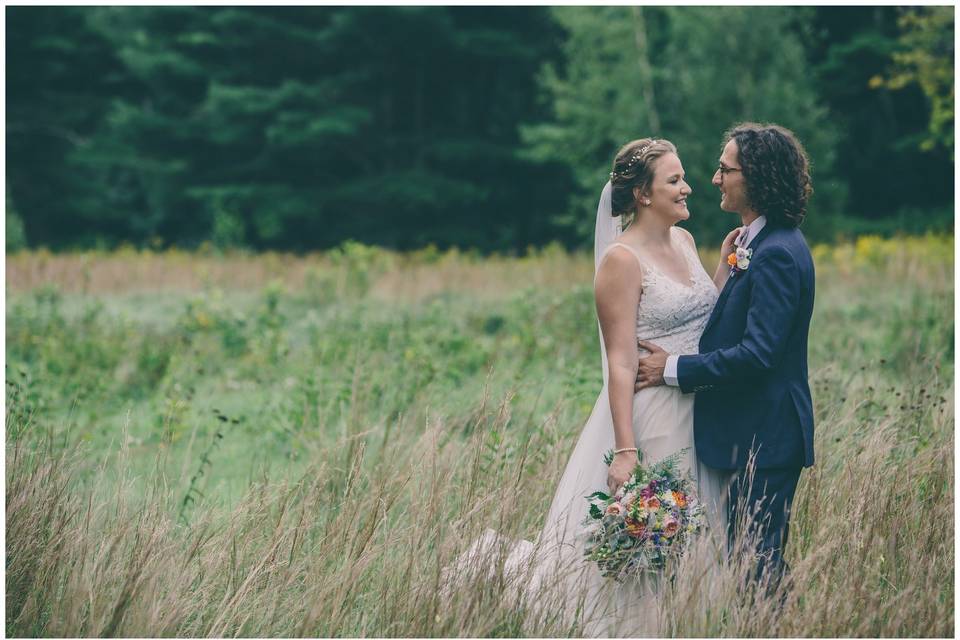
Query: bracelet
point(616, 451)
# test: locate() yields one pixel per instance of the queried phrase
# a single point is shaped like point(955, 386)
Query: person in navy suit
point(753, 414)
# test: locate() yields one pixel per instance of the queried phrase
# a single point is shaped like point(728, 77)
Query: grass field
point(269, 445)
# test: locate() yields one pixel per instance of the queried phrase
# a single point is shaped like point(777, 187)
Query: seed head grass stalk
point(413, 423)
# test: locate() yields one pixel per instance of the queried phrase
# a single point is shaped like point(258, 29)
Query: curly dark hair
point(776, 171)
point(632, 168)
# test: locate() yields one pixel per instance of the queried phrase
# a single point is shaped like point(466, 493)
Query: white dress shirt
point(743, 240)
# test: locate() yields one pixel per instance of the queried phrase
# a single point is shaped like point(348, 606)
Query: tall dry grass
point(358, 550)
point(355, 545)
point(353, 550)
point(387, 274)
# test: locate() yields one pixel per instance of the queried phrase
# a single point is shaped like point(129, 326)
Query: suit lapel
point(733, 280)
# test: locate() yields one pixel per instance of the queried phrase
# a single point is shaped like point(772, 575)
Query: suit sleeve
point(774, 300)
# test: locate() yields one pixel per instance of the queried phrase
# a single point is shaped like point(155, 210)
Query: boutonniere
point(739, 260)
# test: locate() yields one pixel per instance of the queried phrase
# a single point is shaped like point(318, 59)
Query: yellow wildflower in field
point(821, 253)
point(876, 251)
point(873, 250)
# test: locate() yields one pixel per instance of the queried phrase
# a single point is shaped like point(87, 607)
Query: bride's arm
point(618, 289)
point(726, 248)
point(722, 273)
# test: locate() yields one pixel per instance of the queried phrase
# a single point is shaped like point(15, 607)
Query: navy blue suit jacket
point(750, 378)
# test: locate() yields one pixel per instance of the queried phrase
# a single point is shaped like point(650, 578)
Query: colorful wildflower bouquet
point(650, 519)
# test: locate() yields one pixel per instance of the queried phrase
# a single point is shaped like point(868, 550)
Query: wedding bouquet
point(650, 519)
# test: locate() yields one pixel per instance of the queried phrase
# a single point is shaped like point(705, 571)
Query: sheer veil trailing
point(550, 570)
point(605, 233)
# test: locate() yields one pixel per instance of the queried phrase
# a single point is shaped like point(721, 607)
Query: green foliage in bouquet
point(649, 520)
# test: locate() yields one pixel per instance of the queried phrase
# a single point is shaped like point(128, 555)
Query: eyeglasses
point(725, 170)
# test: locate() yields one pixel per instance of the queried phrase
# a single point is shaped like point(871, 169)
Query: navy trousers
point(765, 500)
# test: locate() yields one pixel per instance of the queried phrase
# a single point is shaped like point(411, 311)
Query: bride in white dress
point(650, 285)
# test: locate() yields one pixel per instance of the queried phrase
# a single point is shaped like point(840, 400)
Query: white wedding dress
point(552, 571)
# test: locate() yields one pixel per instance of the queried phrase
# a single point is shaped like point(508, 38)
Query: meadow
point(207, 444)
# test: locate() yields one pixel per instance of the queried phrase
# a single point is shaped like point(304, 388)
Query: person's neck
point(649, 231)
point(748, 217)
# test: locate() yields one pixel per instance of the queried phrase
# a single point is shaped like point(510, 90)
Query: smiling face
point(668, 190)
point(729, 179)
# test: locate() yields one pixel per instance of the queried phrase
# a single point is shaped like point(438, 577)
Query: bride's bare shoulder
point(686, 235)
point(619, 269)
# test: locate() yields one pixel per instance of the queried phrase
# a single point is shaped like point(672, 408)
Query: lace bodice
point(673, 314)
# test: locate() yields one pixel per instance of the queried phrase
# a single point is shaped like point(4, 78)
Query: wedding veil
point(606, 232)
point(550, 570)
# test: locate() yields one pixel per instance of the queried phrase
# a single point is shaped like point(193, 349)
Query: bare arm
point(722, 273)
point(723, 269)
point(618, 289)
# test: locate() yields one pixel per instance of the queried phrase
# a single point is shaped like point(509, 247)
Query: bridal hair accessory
point(649, 520)
point(739, 260)
point(634, 159)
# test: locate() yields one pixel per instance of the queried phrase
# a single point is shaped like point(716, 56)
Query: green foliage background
point(298, 128)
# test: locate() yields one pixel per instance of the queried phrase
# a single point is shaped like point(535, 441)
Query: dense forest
point(297, 128)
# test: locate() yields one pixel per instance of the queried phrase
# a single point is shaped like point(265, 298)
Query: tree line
point(297, 128)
